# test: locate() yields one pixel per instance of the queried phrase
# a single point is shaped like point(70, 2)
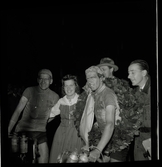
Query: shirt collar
point(73, 100)
point(141, 88)
point(100, 89)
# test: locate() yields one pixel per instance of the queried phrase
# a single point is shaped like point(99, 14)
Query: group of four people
point(40, 105)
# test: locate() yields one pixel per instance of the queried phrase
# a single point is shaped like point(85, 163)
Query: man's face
point(136, 75)
point(44, 81)
point(93, 80)
point(106, 71)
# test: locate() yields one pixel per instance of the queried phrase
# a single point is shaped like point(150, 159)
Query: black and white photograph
point(81, 83)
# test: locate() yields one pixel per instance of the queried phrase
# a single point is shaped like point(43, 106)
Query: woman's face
point(69, 87)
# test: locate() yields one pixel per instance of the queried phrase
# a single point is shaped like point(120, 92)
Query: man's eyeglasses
point(44, 79)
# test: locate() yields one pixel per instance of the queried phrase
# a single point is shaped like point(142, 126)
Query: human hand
point(86, 148)
point(86, 88)
point(104, 158)
point(94, 155)
point(50, 119)
point(9, 133)
point(136, 133)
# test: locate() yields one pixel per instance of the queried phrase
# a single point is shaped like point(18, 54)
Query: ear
point(103, 78)
point(51, 81)
point(144, 73)
point(111, 69)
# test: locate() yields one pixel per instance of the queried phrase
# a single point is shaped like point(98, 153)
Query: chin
point(44, 88)
point(134, 84)
point(70, 94)
point(93, 90)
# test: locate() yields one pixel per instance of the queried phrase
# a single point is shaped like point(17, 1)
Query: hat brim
point(109, 65)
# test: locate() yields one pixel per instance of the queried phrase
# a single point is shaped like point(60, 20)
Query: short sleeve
point(109, 99)
point(27, 93)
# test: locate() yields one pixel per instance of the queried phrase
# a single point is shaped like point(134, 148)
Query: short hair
point(45, 71)
point(142, 64)
point(70, 77)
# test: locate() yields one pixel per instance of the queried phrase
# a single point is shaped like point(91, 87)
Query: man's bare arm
point(17, 113)
point(109, 128)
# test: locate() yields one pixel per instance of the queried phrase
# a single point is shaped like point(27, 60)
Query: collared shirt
point(146, 87)
point(141, 88)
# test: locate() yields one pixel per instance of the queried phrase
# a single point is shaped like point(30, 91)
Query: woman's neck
point(69, 97)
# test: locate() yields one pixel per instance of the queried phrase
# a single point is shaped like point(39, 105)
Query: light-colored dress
point(66, 137)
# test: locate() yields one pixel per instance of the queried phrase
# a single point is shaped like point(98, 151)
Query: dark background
point(70, 38)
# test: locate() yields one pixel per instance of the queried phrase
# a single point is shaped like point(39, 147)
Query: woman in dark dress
point(66, 137)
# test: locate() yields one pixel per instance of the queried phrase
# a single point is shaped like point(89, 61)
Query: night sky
point(70, 38)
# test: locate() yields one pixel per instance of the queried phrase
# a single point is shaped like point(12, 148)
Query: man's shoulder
point(30, 88)
point(53, 93)
point(108, 90)
point(28, 92)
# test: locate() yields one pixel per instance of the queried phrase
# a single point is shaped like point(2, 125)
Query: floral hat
point(94, 69)
point(108, 62)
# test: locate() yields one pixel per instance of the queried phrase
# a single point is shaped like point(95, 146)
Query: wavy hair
point(70, 77)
